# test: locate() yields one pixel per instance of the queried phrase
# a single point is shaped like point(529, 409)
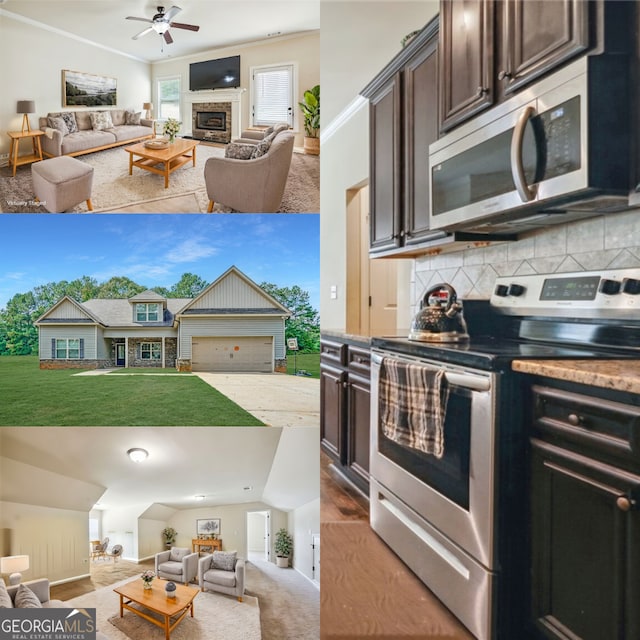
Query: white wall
point(56, 540)
point(150, 540)
point(304, 50)
point(303, 523)
point(33, 60)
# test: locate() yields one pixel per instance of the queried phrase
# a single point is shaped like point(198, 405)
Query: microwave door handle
point(525, 192)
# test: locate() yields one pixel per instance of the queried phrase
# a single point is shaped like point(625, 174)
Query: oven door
point(456, 494)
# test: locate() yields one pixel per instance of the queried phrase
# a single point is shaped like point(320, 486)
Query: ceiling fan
point(161, 22)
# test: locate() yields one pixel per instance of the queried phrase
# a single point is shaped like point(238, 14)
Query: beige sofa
point(87, 139)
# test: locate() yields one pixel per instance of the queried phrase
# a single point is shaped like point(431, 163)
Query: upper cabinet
point(489, 50)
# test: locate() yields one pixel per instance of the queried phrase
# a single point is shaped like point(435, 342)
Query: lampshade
point(147, 105)
point(26, 106)
point(13, 565)
point(138, 455)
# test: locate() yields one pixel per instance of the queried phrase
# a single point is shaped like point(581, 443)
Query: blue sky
point(155, 250)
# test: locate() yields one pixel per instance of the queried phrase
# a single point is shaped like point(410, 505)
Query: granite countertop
point(619, 375)
point(343, 336)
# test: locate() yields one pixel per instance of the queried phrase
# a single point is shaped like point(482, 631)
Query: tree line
point(19, 335)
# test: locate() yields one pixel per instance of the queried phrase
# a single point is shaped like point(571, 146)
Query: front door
point(120, 354)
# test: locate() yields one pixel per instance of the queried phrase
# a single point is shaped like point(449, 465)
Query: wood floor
point(339, 499)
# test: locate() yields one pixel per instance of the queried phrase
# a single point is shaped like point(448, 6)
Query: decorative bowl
point(156, 144)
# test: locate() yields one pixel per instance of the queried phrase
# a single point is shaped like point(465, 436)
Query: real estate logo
point(47, 624)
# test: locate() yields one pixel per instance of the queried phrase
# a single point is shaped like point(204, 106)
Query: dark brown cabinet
point(489, 50)
point(344, 409)
point(403, 122)
point(585, 522)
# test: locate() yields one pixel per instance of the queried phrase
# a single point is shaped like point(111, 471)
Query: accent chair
point(222, 571)
point(179, 564)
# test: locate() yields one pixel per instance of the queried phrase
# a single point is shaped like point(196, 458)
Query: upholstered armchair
point(253, 136)
point(179, 565)
point(222, 571)
point(253, 185)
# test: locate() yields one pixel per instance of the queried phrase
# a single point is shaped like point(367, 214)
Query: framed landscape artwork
point(86, 90)
point(208, 526)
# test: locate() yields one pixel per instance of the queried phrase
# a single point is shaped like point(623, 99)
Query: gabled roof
point(117, 312)
point(148, 296)
point(212, 301)
point(59, 311)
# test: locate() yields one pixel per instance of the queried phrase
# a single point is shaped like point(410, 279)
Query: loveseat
point(72, 133)
point(222, 571)
point(41, 589)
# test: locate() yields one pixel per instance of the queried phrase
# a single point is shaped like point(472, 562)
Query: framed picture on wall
point(87, 90)
point(208, 526)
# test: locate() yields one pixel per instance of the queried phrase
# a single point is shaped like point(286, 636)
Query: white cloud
point(190, 251)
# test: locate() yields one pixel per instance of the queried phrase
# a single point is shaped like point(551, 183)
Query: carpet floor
point(216, 617)
point(115, 191)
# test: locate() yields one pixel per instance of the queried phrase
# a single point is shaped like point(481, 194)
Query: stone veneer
point(75, 364)
point(208, 134)
point(280, 366)
point(183, 364)
point(170, 353)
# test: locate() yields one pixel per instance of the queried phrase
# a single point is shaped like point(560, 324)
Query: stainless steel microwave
point(557, 151)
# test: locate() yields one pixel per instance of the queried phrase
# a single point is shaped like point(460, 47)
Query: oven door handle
point(454, 378)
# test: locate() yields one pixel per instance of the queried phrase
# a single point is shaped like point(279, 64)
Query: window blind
point(273, 95)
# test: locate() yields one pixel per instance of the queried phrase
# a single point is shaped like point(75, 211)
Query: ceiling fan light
point(138, 455)
point(160, 27)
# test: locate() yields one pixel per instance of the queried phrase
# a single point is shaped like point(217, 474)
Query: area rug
point(216, 617)
point(114, 190)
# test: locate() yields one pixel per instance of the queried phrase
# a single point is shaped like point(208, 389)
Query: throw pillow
point(5, 598)
point(58, 124)
point(101, 120)
point(70, 121)
point(177, 553)
point(26, 599)
point(225, 560)
point(132, 118)
point(263, 146)
point(239, 151)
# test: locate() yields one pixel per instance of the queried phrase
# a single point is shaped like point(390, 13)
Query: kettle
point(440, 317)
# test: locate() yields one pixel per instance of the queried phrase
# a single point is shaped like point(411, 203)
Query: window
point(272, 92)
point(147, 312)
point(169, 98)
point(68, 349)
point(150, 351)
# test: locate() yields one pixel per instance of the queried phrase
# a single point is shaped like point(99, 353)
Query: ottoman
point(61, 183)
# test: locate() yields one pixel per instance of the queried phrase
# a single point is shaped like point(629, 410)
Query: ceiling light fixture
point(248, 488)
point(137, 454)
point(199, 497)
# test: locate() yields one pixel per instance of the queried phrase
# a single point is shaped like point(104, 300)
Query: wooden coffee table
point(172, 610)
point(173, 157)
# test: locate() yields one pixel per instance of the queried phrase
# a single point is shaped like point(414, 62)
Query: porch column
point(126, 352)
point(163, 362)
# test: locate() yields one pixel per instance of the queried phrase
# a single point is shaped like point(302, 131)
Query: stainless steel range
point(457, 516)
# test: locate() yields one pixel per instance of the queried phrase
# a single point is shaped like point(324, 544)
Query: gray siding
point(141, 331)
point(233, 293)
point(103, 345)
point(238, 326)
point(88, 333)
point(67, 311)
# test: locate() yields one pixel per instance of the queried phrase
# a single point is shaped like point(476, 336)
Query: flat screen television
point(222, 73)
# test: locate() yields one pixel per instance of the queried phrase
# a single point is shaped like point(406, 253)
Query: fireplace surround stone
point(213, 127)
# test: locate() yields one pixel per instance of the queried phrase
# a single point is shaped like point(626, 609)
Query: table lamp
point(25, 107)
point(148, 106)
point(13, 565)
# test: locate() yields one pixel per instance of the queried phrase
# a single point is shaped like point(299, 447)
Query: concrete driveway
point(279, 400)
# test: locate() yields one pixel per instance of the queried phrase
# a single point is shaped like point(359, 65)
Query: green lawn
point(309, 362)
point(33, 397)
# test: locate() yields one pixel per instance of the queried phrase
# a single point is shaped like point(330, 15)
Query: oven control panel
point(612, 293)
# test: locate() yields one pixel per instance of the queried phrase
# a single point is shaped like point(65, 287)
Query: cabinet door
point(332, 408)
point(585, 547)
point(540, 35)
point(420, 130)
point(358, 429)
point(466, 59)
point(385, 148)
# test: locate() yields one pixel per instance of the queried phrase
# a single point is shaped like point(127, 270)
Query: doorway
point(120, 353)
point(259, 535)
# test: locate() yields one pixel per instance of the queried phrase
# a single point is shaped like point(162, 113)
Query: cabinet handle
point(482, 91)
point(575, 420)
point(503, 74)
point(345, 385)
point(625, 504)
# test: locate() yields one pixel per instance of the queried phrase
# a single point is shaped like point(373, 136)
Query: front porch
point(157, 352)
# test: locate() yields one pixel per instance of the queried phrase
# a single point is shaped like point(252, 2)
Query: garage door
point(232, 354)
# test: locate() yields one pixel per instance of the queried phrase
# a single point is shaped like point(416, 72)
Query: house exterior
point(233, 325)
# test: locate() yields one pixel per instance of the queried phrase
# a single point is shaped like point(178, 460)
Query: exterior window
point(67, 348)
point(147, 312)
point(272, 91)
point(169, 98)
point(150, 351)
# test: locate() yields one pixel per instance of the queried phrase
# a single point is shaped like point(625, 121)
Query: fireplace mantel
point(234, 96)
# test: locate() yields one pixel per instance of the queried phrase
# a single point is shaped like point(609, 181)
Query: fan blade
point(141, 19)
point(174, 11)
point(180, 25)
point(142, 33)
point(167, 37)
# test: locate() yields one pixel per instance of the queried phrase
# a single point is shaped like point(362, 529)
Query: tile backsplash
point(607, 242)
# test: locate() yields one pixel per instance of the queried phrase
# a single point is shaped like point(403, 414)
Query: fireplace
point(211, 121)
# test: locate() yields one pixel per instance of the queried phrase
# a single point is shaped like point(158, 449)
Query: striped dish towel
point(412, 404)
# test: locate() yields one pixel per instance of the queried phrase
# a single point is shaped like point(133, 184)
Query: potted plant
point(284, 546)
point(169, 534)
point(311, 112)
point(171, 128)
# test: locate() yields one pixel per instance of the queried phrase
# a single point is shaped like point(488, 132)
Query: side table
point(16, 136)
